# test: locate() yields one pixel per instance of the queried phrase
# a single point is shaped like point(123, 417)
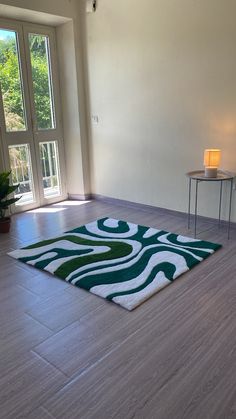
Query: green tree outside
point(11, 83)
point(13, 102)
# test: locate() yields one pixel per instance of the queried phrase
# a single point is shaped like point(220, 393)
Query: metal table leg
point(230, 204)
point(221, 183)
point(195, 217)
point(189, 201)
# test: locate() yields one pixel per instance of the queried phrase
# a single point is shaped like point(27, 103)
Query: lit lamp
point(211, 162)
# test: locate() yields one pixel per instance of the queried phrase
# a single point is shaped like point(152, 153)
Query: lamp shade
point(212, 157)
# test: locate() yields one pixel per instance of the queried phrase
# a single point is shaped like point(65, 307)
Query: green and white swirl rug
point(117, 260)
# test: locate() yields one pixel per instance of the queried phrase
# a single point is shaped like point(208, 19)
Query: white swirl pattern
point(120, 261)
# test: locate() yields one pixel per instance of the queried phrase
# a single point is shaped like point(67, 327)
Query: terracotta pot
point(5, 224)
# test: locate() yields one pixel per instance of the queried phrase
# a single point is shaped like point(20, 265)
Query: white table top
point(200, 175)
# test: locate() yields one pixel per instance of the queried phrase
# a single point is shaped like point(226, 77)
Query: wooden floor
point(68, 354)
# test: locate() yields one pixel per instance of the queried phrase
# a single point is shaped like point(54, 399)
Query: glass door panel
point(42, 81)
point(44, 89)
point(11, 82)
point(30, 115)
point(50, 169)
point(21, 170)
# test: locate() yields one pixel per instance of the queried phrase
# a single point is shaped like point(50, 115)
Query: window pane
point(49, 163)
point(21, 168)
point(42, 82)
point(11, 83)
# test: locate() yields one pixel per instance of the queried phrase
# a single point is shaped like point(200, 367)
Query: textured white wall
point(162, 80)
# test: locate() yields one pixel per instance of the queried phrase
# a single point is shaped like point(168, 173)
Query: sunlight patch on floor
point(71, 203)
point(46, 210)
point(59, 206)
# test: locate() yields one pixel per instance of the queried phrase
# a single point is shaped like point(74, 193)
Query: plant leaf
point(4, 176)
point(5, 204)
point(4, 190)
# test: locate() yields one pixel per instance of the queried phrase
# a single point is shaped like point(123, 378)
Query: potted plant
point(5, 190)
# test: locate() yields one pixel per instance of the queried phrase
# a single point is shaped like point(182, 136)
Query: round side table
point(199, 176)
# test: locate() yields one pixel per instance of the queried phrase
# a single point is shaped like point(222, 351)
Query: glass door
point(30, 118)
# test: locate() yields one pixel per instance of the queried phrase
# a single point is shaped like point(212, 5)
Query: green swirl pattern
point(117, 260)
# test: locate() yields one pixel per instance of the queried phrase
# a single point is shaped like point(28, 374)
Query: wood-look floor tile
point(6, 262)
point(11, 291)
point(63, 309)
point(83, 343)
point(39, 413)
point(18, 336)
point(16, 300)
point(40, 283)
point(27, 386)
point(172, 357)
point(165, 360)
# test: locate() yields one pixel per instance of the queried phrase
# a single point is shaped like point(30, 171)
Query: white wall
point(162, 80)
point(70, 107)
point(65, 8)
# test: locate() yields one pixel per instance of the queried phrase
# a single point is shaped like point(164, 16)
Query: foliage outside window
point(10, 80)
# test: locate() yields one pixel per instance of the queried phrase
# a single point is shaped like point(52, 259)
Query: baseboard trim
point(79, 197)
point(159, 210)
